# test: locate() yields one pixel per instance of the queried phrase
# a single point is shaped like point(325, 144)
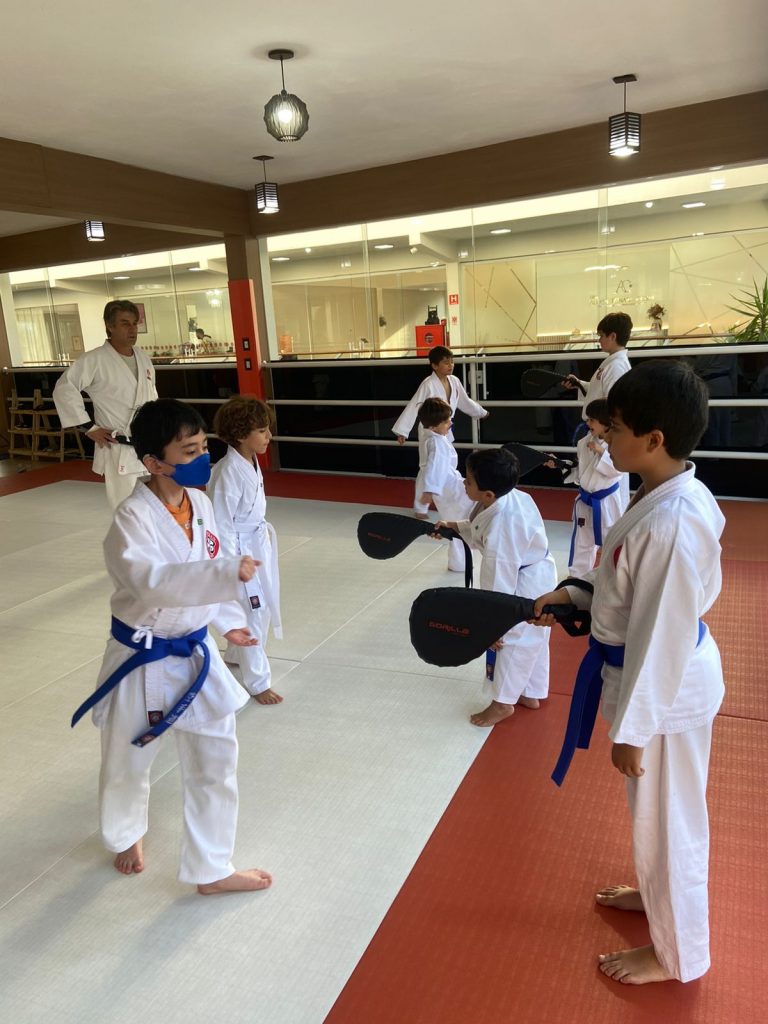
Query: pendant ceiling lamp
point(285, 115)
point(624, 128)
point(94, 231)
point(266, 191)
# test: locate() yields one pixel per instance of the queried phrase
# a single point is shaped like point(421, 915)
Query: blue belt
point(593, 500)
point(579, 432)
point(586, 699)
point(161, 647)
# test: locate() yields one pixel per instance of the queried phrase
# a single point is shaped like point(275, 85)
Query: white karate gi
point(239, 503)
point(516, 560)
point(604, 377)
point(116, 395)
point(433, 387)
point(442, 478)
point(167, 587)
point(659, 573)
point(594, 473)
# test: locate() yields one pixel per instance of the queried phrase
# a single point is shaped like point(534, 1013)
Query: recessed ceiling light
point(384, 245)
point(649, 204)
point(463, 253)
point(195, 270)
point(122, 277)
point(345, 263)
point(308, 249)
point(716, 184)
point(607, 230)
point(607, 266)
point(697, 234)
point(692, 206)
point(281, 259)
point(501, 231)
point(436, 263)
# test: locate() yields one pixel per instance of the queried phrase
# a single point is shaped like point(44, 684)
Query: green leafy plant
point(754, 307)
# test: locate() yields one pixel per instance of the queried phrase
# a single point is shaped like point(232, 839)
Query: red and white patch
point(211, 544)
point(616, 553)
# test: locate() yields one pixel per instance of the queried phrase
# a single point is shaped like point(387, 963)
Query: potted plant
point(656, 312)
point(754, 306)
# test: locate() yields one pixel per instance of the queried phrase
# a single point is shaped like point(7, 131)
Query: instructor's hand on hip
point(101, 437)
point(247, 569)
point(553, 597)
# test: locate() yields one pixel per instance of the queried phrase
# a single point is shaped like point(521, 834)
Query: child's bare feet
point(492, 715)
point(238, 881)
point(529, 702)
point(268, 697)
point(131, 861)
point(633, 966)
point(621, 897)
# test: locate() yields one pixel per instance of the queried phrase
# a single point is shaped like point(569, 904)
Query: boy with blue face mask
point(161, 671)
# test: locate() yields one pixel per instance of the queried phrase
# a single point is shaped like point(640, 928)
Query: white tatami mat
point(340, 786)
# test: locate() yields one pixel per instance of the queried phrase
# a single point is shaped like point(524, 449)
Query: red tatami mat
point(496, 923)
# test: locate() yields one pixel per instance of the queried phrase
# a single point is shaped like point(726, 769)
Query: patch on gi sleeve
point(616, 554)
point(255, 602)
point(211, 544)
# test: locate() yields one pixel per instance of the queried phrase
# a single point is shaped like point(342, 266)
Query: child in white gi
point(442, 482)
point(239, 503)
point(507, 527)
point(601, 498)
point(162, 553)
point(659, 573)
point(440, 384)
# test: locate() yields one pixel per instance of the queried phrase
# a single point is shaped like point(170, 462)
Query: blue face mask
point(196, 473)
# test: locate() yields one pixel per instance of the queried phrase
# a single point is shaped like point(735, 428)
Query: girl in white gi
point(658, 575)
point(119, 378)
point(443, 483)
point(239, 503)
point(507, 527)
point(440, 384)
point(601, 500)
point(163, 555)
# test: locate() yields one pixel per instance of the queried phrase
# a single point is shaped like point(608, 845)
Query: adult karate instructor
point(118, 377)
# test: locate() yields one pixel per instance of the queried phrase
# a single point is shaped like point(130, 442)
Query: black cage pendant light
point(266, 191)
point(285, 115)
point(624, 128)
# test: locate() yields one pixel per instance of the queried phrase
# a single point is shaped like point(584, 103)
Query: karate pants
point(119, 486)
point(584, 547)
point(209, 782)
point(418, 505)
point(670, 840)
point(522, 666)
point(253, 661)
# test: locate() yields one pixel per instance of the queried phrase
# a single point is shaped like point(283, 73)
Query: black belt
point(122, 439)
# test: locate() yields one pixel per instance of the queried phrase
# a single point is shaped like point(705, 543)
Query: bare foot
point(421, 515)
point(622, 897)
point(529, 702)
point(131, 861)
point(492, 715)
point(633, 966)
point(238, 881)
point(268, 697)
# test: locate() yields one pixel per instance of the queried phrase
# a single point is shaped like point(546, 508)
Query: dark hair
point(438, 353)
point(235, 419)
point(598, 410)
point(665, 395)
point(619, 324)
point(434, 411)
point(119, 306)
point(158, 423)
point(494, 469)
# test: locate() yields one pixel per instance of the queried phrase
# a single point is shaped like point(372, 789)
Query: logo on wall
point(453, 300)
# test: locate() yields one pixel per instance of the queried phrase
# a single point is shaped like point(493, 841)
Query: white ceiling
point(180, 87)
point(18, 223)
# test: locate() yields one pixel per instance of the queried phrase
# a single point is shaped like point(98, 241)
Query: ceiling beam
point(54, 182)
point(683, 139)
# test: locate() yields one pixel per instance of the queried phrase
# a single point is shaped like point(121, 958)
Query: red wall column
point(250, 380)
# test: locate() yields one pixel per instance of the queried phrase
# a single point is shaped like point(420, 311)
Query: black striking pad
point(386, 534)
point(453, 626)
point(531, 458)
point(535, 383)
